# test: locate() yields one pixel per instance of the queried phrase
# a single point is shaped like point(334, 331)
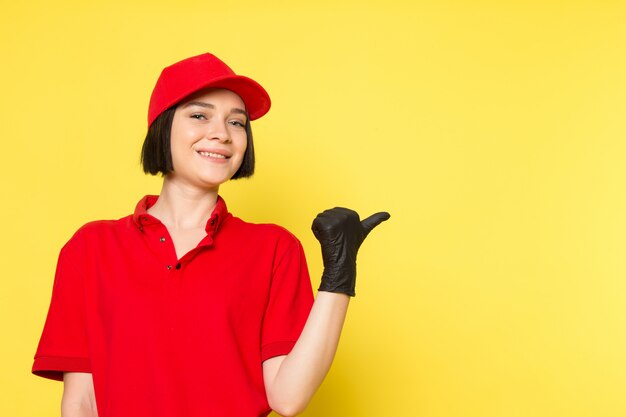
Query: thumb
point(374, 220)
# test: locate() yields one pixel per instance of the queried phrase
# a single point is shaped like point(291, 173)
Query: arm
point(78, 399)
point(291, 380)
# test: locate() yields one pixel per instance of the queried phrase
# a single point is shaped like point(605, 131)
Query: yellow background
point(492, 131)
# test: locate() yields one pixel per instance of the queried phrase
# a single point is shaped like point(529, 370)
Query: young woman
point(182, 309)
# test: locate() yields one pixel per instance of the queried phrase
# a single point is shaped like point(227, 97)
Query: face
point(208, 138)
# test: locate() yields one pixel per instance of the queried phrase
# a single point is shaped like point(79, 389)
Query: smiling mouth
point(212, 155)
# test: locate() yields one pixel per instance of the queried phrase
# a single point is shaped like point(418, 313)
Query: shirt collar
point(142, 218)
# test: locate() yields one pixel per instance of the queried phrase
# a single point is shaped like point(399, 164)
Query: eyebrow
point(211, 106)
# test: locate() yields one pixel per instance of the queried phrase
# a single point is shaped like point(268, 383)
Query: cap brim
point(254, 96)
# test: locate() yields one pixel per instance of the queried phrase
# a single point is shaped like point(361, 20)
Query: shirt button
point(169, 267)
point(162, 239)
point(178, 265)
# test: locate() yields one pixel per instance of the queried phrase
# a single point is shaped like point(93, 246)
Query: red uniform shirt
point(175, 337)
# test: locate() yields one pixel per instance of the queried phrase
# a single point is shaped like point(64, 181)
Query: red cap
point(204, 71)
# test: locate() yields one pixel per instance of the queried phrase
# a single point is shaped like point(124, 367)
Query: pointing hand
point(341, 233)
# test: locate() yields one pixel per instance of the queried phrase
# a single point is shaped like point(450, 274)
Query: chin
point(213, 182)
point(214, 177)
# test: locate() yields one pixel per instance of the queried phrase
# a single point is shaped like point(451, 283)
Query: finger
point(374, 220)
point(321, 223)
point(342, 210)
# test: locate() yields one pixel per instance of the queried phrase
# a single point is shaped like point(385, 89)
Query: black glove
point(340, 232)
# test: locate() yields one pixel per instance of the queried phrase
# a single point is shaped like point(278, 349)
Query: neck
point(183, 207)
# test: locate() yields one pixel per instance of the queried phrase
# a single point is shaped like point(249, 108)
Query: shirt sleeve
point(63, 346)
point(290, 300)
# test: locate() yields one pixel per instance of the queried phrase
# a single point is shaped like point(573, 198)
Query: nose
point(218, 131)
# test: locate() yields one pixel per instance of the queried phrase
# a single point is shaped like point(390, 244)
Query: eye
point(238, 123)
point(198, 116)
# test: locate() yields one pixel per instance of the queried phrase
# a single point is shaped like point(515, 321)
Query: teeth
point(212, 155)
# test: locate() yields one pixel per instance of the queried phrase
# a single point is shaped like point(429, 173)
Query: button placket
point(159, 234)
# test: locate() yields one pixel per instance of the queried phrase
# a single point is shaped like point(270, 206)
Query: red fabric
point(167, 337)
point(193, 74)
